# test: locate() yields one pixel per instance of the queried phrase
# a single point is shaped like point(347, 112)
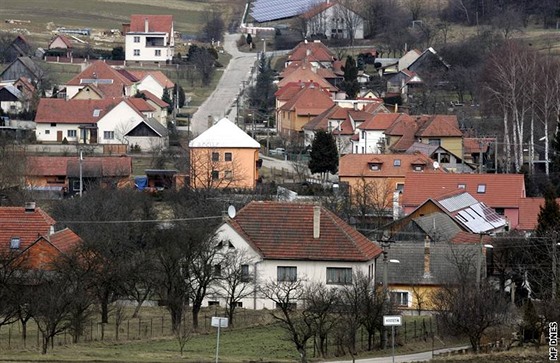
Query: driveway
point(221, 102)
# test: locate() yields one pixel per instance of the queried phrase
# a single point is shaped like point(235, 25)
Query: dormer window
point(397, 162)
point(375, 167)
point(461, 186)
point(418, 167)
point(14, 243)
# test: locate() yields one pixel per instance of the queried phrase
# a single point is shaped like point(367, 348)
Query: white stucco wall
point(150, 84)
point(44, 132)
point(119, 120)
point(266, 271)
point(367, 144)
point(147, 54)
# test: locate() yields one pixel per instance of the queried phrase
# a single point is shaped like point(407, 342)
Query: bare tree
point(372, 199)
point(346, 11)
point(297, 323)
point(210, 170)
point(236, 282)
point(322, 303)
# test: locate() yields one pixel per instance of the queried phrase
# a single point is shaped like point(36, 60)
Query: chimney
point(427, 270)
point(316, 221)
point(29, 207)
point(146, 25)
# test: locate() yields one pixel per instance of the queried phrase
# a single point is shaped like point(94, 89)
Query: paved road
point(414, 357)
point(221, 101)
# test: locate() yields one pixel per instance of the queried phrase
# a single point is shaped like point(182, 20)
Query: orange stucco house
point(224, 156)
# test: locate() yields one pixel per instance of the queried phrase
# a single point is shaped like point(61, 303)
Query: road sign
point(392, 320)
point(219, 322)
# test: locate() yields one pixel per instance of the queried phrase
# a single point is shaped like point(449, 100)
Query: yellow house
point(224, 156)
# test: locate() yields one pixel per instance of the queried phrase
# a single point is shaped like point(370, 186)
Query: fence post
point(91, 331)
point(162, 325)
point(139, 328)
point(128, 330)
point(38, 336)
point(10, 337)
point(405, 331)
point(151, 328)
point(414, 328)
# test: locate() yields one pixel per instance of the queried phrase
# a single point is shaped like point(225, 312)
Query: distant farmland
point(45, 16)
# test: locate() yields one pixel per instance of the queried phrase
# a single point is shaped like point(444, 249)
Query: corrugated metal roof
point(456, 202)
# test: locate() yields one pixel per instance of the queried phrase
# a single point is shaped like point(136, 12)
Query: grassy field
point(255, 337)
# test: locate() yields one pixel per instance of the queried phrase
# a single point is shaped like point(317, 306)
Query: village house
point(224, 156)
point(23, 67)
point(28, 236)
point(334, 20)
point(502, 192)
point(291, 242)
point(149, 38)
point(62, 44)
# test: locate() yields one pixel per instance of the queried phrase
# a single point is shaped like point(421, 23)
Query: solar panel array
point(269, 10)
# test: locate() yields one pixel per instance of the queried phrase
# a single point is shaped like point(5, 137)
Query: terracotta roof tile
point(62, 165)
point(501, 190)
point(357, 165)
point(65, 40)
point(529, 209)
point(156, 23)
point(438, 125)
point(381, 121)
point(310, 99)
point(305, 74)
point(102, 71)
point(65, 240)
point(284, 231)
point(159, 76)
point(58, 110)
point(27, 226)
point(315, 51)
point(141, 105)
point(155, 99)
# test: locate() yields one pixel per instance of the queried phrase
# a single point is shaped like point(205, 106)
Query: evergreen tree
point(249, 39)
point(166, 98)
point(350, 84)
point(262, 93)
point(324, 154)
point(178, 91)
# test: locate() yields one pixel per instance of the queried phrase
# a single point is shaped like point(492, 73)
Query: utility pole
point(81, 173)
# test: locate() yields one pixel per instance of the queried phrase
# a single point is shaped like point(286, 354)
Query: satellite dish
point(231, 211)
point(436, 165)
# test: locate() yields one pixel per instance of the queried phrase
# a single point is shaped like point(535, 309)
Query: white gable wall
point(150, 84)
point(119, 120)
point(266, 270)
point(368, 142)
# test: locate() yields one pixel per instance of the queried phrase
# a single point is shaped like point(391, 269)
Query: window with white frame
point(108, 135)
point(136, 39)
point(399, 298)
point(47, 132)
point(158, 52)
point(339, 275)
point(286, 273)
point(71, 133)
point(136, 52)
point(245, 276)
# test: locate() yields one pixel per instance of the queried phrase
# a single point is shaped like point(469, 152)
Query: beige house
point(224, 156)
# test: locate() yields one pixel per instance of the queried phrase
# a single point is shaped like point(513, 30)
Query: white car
point(277, 151)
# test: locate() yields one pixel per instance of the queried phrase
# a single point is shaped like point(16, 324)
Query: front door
point(93, 136)
point(59, 136)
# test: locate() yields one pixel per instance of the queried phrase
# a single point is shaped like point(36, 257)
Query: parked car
point(277, 151)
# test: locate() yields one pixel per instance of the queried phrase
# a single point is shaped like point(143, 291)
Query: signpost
point(218, 322)
point(392, 321)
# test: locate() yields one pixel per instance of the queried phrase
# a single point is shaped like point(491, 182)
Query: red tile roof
point(102, 71)
point(58, 110)
point(65, 240)
point(59, 165)
point(159, 76)
point(381, 121)
point(529, 209)
point(155, 99)
point(27, 226)
point(309, 100)
point(358, 165)
point(284, 231)
point(305, 74)
point(156, 23)
point(438, 125)
point(65, 40)
point(475, 145)
point(312, 51)
point(501, 190)
point(140, 104)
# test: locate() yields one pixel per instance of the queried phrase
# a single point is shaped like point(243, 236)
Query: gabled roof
point(312, 51)
point(477, 144)
point(438, 125)
point(28, 226)
point(156, 23)
point(154, 125)
point(155, 99)
point(58, 110)
point(107, 79)
point(358, 165)
point(159, 76)
point(318, 9)
point(305, 74)
point(529, 209)
point(334, 113)
point(27, 63)
point(65, 40)
point(309, 100)
point(500, 190)
point(224, 134)
point(284, 231)
point(140, 104)
point(69, 166)
point(65, 240)
point(381, 121)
